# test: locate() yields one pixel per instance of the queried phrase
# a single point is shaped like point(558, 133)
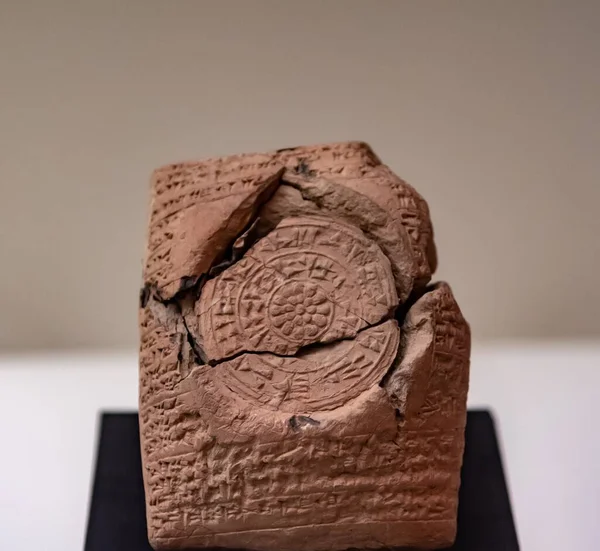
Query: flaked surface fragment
point(286, 202)
point(300, 387)
point(202, 231)
point(355, 166)
point(432, 371)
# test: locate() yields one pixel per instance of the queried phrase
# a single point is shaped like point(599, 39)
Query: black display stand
point(117, 520)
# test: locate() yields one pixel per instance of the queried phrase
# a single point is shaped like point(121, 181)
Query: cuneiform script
point(302, 384)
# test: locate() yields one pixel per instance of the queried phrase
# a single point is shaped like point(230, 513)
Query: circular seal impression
point(310, 280)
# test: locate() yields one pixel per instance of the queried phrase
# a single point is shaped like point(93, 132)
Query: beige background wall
point(491, 109)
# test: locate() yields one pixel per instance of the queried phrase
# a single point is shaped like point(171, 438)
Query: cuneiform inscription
point(320, 379)
point(277, 390)
point(310, 279)
point(258, 484)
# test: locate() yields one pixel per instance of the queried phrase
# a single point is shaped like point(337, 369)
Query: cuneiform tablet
point(302, 387)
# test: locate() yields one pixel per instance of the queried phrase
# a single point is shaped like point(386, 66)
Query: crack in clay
point(401, 313)
point(302, 350)
point(299, 422)
point(237, 249)
point(145, 294)
point(200, 357)
point(175, 305)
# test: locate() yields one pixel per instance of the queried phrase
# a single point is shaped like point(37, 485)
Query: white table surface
point(544, 398)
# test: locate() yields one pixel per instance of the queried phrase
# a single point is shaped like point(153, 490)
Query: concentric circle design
point(300, 310)
point(265, 302)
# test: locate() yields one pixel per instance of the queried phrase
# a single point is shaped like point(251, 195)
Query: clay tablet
point(302, 384)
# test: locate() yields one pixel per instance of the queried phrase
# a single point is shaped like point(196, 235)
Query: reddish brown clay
point(301, 387)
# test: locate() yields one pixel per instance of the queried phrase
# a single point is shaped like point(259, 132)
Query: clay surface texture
point(302, 384)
